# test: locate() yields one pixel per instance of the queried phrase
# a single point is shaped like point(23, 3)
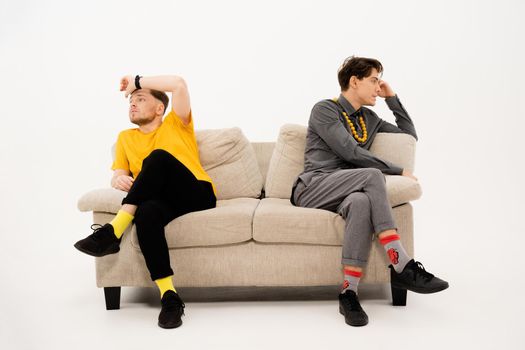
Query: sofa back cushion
point(230, 160)
point(287, 160)
point(263, 152)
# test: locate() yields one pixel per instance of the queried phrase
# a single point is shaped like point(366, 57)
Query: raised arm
point(180, 97)
point(403, 120)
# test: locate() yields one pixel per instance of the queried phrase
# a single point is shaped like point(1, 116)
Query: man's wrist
point(137, 82)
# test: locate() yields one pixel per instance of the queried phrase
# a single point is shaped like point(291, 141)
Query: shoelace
point(421, 271)
point(96, 231)
point(353, 303)
point(173, 303)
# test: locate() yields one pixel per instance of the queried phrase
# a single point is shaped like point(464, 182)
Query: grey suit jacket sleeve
point(403, 121)
point(325, 122)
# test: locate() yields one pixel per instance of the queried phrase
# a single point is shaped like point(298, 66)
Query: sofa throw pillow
point(229, 159)
point(287, 161)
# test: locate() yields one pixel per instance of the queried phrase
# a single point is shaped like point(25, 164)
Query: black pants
point(164, 190)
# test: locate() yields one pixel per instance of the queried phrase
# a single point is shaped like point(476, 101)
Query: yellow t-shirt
point(172, 136)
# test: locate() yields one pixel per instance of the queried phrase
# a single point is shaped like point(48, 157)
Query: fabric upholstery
point(249, 242)
point(263, 152)
point(287, 161)
point(251, 263)
point(278, 221)
point(229, 159)
point(230, 222)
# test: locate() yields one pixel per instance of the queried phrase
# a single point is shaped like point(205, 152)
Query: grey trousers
point(359, 196)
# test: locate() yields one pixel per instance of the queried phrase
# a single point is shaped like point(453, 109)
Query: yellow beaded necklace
point(360, 139)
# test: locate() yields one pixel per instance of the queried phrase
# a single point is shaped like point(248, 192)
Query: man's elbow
point(177, 83)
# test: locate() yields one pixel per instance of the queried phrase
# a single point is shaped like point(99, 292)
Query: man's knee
point(375, 175)
point(157, 155)
point(358, 202)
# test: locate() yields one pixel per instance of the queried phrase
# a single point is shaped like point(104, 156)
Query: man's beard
point(139, 121)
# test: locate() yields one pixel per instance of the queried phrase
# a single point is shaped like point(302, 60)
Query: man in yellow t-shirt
point(158, 165)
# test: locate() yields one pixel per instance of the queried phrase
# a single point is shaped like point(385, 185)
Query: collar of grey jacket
point(349, 109)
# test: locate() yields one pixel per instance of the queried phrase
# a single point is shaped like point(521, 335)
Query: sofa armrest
point(401, 189)
point(399, 149)
point(106, 200)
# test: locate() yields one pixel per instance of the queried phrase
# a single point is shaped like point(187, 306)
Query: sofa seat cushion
point(277, 220)
point(230, 222)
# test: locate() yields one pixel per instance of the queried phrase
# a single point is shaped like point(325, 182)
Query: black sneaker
point(172, 310)
point(415, 278)
point(350, 308)
point(101, 242)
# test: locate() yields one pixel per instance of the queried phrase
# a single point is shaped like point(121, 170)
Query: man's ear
point(160, 109)
point(353, 82)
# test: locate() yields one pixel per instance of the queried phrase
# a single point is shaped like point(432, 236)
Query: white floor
point(55, 304)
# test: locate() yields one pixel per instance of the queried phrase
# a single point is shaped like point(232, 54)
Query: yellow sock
point(121, 222)
point(165, 284)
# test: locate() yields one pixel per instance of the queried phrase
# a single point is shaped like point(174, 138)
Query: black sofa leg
point(112, 295)
point(399, 296)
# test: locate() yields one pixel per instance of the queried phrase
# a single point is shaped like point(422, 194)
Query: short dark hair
point(360, 67)
point(162, 97)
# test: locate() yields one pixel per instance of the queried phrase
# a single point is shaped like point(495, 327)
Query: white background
point(456, 65)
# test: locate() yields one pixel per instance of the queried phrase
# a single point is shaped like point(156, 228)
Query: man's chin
point(137, 122)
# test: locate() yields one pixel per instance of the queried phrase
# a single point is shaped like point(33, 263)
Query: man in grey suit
point(341, 175)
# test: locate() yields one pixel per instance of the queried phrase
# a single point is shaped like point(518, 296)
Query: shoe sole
point(422, 290)
point(354, 324)
point(170, 326)
point(76, 245)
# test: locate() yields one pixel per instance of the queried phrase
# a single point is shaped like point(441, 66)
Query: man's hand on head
point(127, 84)
point(386, 90)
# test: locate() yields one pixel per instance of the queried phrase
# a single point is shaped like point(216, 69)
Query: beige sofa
point(255, 238)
